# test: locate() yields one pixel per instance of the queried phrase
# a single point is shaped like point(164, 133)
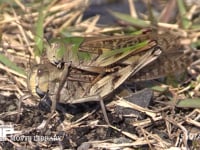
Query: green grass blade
point(189, 103)
point(182, 10)
point(195, 27)
point(39, 33)
point(10, 2)
point(131, 20)
point(196, 44)
point(160, 89)
point(4, 60)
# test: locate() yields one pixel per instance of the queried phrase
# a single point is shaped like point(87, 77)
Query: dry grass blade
point(122, 102)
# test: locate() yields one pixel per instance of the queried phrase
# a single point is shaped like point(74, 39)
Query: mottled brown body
point(160, 57)
point(47, 77)
point(167, 64)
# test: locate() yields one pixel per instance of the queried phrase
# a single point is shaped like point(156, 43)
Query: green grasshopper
point(97, 54)
point(77, 81)
point(45, 79)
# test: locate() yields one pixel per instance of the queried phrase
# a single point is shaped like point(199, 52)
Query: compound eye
point(39, 72)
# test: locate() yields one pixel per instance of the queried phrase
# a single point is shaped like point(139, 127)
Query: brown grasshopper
point(76, 81)
point(98, 54)
point(45, 79)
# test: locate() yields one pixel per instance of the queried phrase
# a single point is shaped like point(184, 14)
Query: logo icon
point(6, 131)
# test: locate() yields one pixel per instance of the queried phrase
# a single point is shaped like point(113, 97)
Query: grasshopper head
point(38, 81)
point(54, 53)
